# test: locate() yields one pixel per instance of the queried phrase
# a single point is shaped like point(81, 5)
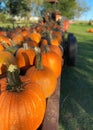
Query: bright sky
point(89, 14)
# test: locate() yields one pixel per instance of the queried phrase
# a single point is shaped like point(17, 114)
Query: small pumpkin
point(24, 105)
point(90, 30)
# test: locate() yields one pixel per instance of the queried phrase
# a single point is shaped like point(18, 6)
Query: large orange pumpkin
point(43, 76)
point(22, 103)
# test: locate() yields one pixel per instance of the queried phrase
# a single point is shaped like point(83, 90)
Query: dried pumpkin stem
point(46, 48)
point(12, 49)
point(25, 46)
point(38, 60)
point(13, 79)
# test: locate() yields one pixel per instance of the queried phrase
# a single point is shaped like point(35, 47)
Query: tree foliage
point(16, 7)
point(68, 8)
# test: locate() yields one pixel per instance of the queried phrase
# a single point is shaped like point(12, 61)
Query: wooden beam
point(51, 119)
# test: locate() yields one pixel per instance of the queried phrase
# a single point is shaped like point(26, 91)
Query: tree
point(17, 8)
point(68, 8)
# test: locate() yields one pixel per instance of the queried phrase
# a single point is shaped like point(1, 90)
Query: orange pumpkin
point(31, 43)
point(57, 35)
point(35, 36)
point(25, 34)
point(25, 56)
point(44, 42)
point(6, 58)
point(53, 48)
point(17, 39)
point(43, 76)
point(24, 105)
point(51, 60)
point(90, 30)
point(54, 41)
point(5, 40)
point(1, 47)
point(57, 50)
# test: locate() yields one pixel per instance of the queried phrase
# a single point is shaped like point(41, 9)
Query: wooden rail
point(51, 119)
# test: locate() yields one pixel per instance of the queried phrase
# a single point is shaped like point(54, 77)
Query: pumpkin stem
point(25, 46)
point(46, 48)
point(12, 49)
point(14, 82)
point(38, 60)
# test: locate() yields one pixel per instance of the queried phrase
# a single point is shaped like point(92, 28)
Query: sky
point(89, 14)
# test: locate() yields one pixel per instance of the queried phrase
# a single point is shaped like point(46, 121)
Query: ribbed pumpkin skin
point(45, 78)
point(52, 61)
point(22, 111)
point(57, 50)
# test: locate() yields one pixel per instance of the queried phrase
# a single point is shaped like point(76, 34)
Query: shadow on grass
point(76, 98)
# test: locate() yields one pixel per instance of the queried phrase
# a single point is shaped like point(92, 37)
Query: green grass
point(76, 98)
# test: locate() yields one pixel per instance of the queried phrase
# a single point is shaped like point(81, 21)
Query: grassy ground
point(76, 99)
